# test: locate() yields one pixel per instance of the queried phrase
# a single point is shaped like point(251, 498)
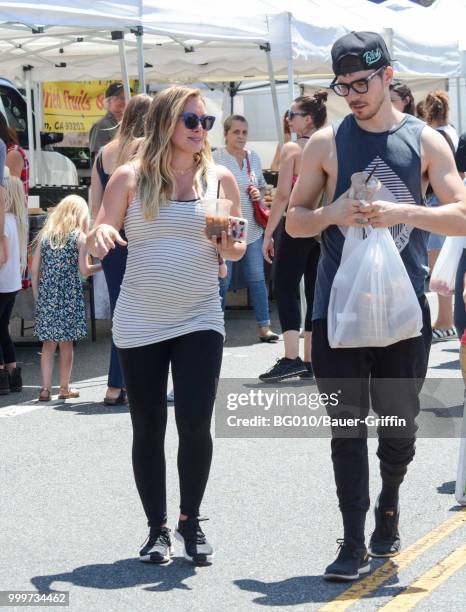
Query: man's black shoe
point(284, 368)
point(158, 548)
point(196, 547)
point(385, 540)
point(351, 562)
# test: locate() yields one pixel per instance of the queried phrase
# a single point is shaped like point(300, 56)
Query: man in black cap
point(405, 155)
point(103, 131)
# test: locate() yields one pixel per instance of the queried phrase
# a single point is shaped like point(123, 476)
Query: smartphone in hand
point(239, 229)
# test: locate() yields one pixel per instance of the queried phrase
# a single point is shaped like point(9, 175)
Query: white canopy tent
point(218, 42)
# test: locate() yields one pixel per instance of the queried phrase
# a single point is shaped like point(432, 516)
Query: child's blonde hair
point(14, 204)
point(69, 216)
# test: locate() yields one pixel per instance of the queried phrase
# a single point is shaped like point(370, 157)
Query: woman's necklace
point(182, 172)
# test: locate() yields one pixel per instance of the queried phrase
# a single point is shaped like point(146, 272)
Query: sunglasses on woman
point(292, 114)
point(192, 121)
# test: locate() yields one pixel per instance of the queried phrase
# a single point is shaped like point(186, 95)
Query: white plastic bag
point(372, 300)
point(443, 275)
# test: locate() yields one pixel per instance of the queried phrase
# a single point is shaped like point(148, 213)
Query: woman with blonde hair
point(116, 153)
point(168, 310)
point(60, 256)
point(16, 230)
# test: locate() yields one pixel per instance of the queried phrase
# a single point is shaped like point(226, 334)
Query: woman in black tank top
point(114, 154)
point(295, 258)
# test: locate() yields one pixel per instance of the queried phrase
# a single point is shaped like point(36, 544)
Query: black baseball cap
point(359, 51)
point(114, 89)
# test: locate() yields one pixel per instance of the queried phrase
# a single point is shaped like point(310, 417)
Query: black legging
point(7, 348)
point(196, 360)
point(295, 257)
point(459, 309)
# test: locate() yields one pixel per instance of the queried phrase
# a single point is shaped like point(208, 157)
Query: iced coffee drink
point(363, 186)
point(216, 216)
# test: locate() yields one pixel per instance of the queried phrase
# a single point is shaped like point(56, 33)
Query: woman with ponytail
point(294, 257)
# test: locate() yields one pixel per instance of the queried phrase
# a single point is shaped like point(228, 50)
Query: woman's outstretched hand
point(103, 238)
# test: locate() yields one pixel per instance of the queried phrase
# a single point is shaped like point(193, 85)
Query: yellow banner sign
point(70, 106)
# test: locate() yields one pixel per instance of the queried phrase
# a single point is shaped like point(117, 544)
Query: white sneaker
point(171, 396)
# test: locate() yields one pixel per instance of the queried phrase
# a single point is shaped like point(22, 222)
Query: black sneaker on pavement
point(16, 381)
point(284, 368)
point(196, 547)
point(351, 562)
point(385, 539)
point(4, 381)
point(158, 548)
point(310, 371)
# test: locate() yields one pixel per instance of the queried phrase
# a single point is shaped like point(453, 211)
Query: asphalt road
point(71, 519)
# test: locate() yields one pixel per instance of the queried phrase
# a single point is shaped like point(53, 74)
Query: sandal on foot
point(116, 401)
point(70, 394)
point(439, 335)
point(269, 337)
point(44, 395)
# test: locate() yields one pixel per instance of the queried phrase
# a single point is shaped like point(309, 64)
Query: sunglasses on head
point(192, 121)
point(292, 114)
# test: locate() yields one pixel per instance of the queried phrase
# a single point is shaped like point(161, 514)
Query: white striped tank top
point(170, 287)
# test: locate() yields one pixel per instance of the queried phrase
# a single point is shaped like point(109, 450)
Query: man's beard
point(367, 113)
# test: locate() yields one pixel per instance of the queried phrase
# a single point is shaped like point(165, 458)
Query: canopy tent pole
point(290, 64)
point(38, 126)
point(120, 37)
point(30, 123)
point(273, 88)
point(139, 32)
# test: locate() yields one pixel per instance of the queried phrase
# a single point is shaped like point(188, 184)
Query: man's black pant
point(358, 374)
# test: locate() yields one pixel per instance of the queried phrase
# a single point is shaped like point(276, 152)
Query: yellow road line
point(392, 566)
point(423, 586)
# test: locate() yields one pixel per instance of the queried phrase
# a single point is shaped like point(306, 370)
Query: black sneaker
point(16, 381)
point(4, 382)
point(158, 548)
point(310, 371)
point(385, 540)
point(284, 368)
point(196, 547)
point(351, 562)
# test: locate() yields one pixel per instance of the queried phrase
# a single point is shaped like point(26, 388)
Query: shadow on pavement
point(447, 488)
point(447, 365)
point(122, 574)
point(90, 408)
point(312, 589)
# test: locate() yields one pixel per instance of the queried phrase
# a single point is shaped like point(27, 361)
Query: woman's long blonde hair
point(70, 216)
point(156, 179)
point(132, 127)
point(14, 204)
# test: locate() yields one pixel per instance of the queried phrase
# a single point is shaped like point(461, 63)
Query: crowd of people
point(153, 170)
